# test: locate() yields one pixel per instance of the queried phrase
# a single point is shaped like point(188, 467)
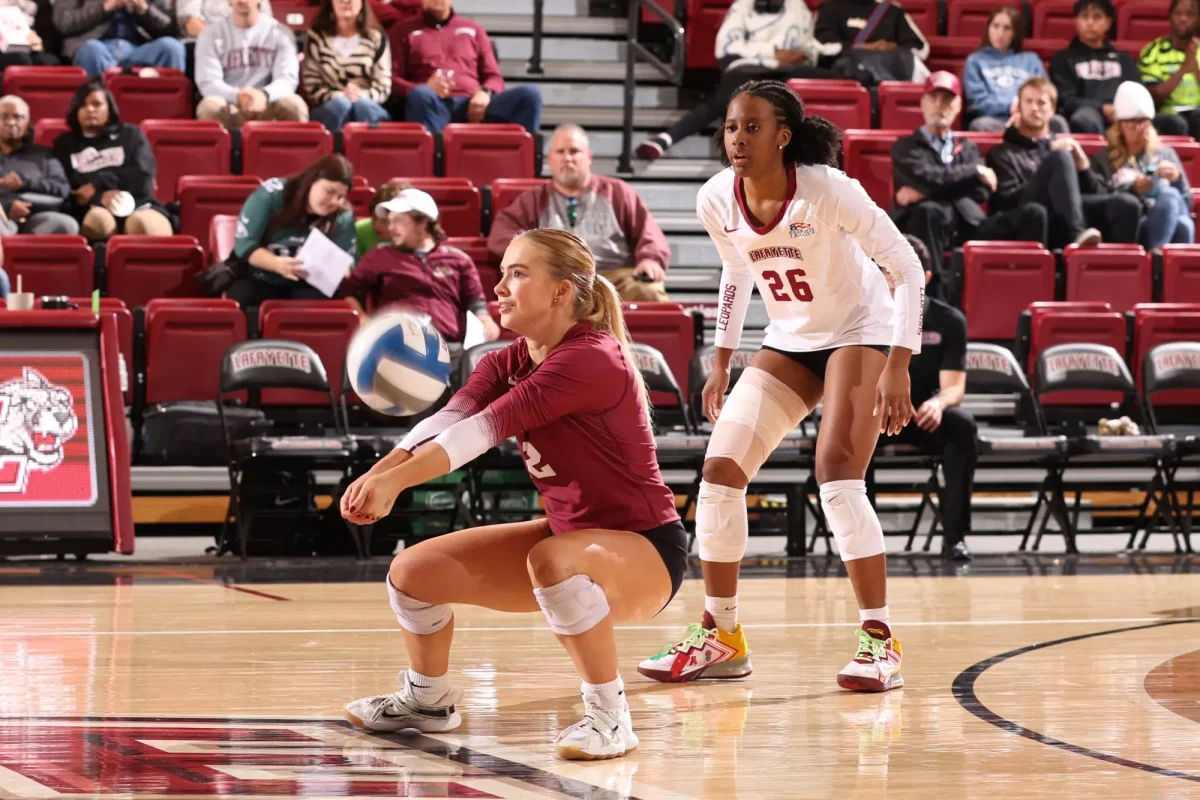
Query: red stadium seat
point(1188, 150)
point(1055, 19)
point(1154, 327)
point(1044, 48)
point(670, 331)
point(924, 14)
point(483, 153)
point(505, 190)
point(900, 106)
point(279, 149)
point(999, 283)
point(984, 141)
point(950, 52)
point(1143, 20)
point(391, 148)
point(222, 232)
point(46, 131)
point(186, 147)
point(50, 264)
point(201, 197)
point(325, 327)
point(704, 18)
point(844, 103)
point(167, 96)
point(968, 18)
point(185, 341)
point(1116, 274)
point(1065, 327)
point(460, 210)
point(1181, 273)
point(489, 267)
point(360, 198)
point(867, 158)
point(140, 268)
point(296, 14)
point(47, 90)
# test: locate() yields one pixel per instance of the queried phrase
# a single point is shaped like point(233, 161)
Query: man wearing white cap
point(420, 272)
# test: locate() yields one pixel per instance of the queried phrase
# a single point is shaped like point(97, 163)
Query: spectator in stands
point(27, 49)
point(994, 73)
point(347, 72)
point(396, 12)
point(940, 182)
point(607, 213)
point(274, 223)
point(871, 41)
point(1168, 67)
point(375, 230)
point(33, 186)
point(420, 272)
point(1040, 176)
point(119, 33)
point(247, 69)
point(758, 39)
point(1136, 163)
point(1088, 72)
point(445, 68)
point(941, 426)
point(110, 167)
point(196, 15)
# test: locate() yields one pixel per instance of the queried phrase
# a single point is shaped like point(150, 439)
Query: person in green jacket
point(274, 222)
point(373, 231)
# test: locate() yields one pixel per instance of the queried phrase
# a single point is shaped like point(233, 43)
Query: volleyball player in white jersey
point(783, 218)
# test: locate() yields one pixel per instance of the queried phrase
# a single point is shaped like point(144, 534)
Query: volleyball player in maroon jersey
point(611, 547)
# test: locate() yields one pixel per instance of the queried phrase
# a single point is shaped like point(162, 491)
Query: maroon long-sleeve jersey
point(582, 429)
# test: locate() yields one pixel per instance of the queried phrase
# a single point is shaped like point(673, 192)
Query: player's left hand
point(929, 415)
point(370, 498)
point(651, 269)
point(893, 405)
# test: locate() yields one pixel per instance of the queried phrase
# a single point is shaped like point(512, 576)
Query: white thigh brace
point(851, 519)
point(417, 616)
point(573, 606)
point(758, 413)
point(721, 526)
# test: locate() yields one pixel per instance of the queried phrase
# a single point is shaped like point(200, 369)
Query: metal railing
point(535, 54)
point(635, 51)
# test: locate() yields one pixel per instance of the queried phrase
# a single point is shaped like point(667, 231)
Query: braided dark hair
point(815, 140)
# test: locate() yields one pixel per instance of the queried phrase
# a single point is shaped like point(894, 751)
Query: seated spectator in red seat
point(33, 186)
point(994, 73)
point(759, 39)
point(871, 41)
point(110, 167)
point(99, 34)
point(247, 69)
point(418, 271)
point(196, 15)
point(1089, 71)
point(274, 223)
point(374, 231)
point(34, 51)
point(607, 213)
point(347, 72)
point(1168, 68)
point(445, 68)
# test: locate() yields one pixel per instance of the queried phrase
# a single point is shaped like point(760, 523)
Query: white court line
point(9, 634)
point(15, 785)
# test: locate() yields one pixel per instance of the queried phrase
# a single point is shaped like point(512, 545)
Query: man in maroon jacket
point(445, 68)
point(607, 213)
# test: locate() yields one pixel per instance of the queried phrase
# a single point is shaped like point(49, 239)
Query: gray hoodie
point(229, 58)
point(210, 11)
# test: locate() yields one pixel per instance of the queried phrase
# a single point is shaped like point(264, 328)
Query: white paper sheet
point(325, 262)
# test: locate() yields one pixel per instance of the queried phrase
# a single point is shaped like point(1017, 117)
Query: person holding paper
point(277, 220)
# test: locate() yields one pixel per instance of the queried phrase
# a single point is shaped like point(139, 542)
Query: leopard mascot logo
point(36, 418)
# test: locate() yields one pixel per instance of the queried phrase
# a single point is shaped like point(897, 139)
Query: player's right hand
point(713, 395)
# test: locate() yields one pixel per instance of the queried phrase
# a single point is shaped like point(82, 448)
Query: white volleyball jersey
point(813, 265)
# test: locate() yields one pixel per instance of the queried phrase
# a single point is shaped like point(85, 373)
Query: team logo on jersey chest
point(798, 230)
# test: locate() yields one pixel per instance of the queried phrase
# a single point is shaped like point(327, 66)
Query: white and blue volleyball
point(398, 364)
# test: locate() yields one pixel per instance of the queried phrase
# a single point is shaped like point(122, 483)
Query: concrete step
point(610, 71)
point(645, 119)
point(550, 8)
point(693, 250)
point(552, 25)
point(698, 170)
point(677, 221)
point(665, 196)
point(605, 95)
point(520, 48)
point(607, 144)
point(691, 284)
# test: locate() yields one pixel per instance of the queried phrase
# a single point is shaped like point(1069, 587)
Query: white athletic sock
point(877, 614)
point(611, 694)
point(427, 690)
point(723, 610)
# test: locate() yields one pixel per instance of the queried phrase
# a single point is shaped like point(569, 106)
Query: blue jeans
point(520, 104)
point(1170, 220)
point(338, 111)
point(100, 54)
point(4, 285)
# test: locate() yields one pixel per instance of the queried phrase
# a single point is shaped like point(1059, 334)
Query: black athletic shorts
point(671, 542)
point(815, 361)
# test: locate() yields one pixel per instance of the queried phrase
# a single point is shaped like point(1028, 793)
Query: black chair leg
point(244, 522)
point(1033, 517)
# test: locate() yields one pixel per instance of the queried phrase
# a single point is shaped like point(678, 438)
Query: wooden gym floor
point(1039, 677)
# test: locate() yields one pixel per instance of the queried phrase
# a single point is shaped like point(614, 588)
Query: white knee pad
point(851, 519)
point(721, 527)
point(758, 413)
point(573, 606)
point(417, 616)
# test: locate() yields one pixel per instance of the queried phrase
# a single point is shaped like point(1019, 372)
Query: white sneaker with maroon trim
point(706, 651)
point(876, 665)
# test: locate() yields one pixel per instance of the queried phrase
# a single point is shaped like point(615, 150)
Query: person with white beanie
point(1137, 162)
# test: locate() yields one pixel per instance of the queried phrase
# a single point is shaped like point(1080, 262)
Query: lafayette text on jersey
point(812, 265)
point(581, 427)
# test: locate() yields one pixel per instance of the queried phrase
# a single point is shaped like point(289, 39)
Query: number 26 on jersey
point(788, 286)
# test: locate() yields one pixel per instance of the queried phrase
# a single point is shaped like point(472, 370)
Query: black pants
point(27, 59)
point(932, 222)
point(955, 440)
point(1028, 222)
point(1088, 119)
point(713, 109)
point(1185, 123)
point(250, 292)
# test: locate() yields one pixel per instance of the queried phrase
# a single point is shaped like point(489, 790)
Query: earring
point(780, 147)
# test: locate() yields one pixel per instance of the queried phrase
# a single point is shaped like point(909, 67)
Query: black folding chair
point(1174, 365)
point(276, 364)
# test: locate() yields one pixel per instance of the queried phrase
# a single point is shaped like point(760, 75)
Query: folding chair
point(1168, 367)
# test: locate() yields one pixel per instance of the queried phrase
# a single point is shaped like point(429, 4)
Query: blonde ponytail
point(606, 315)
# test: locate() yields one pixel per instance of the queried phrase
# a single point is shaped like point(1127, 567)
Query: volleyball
point(398, 364)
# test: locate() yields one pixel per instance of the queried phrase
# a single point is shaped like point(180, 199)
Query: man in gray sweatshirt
point(247, 69)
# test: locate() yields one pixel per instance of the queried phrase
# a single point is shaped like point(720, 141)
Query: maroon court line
point(255, 592)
